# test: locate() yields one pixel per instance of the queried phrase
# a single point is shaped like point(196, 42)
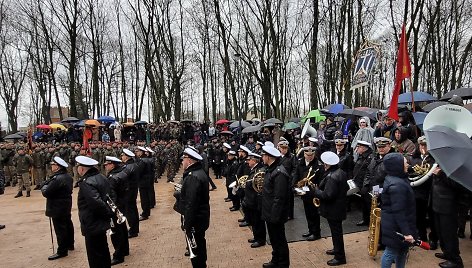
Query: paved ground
point(26, 240)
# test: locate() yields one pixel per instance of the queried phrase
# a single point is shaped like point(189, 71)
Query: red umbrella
point(222, 121)
point(43, 126)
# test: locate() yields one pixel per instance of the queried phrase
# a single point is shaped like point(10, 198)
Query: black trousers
point(201, 251)
point(247, 213)
point(291, 204)
point(145, 201)
point(312, 216)
point(366, 205)
point(446, 225)
point(280, 252)
point(422, 221)
point(64, 229)
point(212, 184)
point(258, 226)
point(120, 241)
point(152, 192)
point(132, 214)
point(336, 227)
point(98, 254)
point(217, 170)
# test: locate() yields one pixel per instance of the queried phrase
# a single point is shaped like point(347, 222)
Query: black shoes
point(460, 234)
point(336, 262)
point(433, 245)
point(213, 188)
point(233, 209)
point(313, 237)
point(244, 224)
point(305, 235)
point(257, 244)
point(330, 252)
point(28, 194)
point(269, 265)
point(227, 199)
point(71, 248)
point(449, 264)
point(143, 218)
point(362, 223)
point(116, 261)
point(440, 255)
point(2, 226)
point(251, 240)
point(57, 256)
point(36, 187)
point(20, 193)
point(131, 235)
point(241, 220)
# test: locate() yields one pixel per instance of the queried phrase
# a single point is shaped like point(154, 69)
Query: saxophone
point(374, 227)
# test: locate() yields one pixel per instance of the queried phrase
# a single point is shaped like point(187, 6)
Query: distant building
point(54, 111)
point(251, 113)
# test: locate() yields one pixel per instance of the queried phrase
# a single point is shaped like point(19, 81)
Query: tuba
point(258, 181)
point(424, 172)
point(374, 227)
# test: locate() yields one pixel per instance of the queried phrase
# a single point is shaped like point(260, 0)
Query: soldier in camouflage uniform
point(51, 152)
point(10, 169)
point(159, 156)
point(171, 160)
point(23, 164)
point(73, 155)
point(39, 164)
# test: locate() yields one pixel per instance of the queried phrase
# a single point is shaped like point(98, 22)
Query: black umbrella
point(235, 124)
point(226, 132)
point(251, 129)
point(452, 151)
point(186, 121)
point(430, 106)
point(353, 112)
point(274, 120)
point(464, 92)
point(15, 136)
point(70, 120)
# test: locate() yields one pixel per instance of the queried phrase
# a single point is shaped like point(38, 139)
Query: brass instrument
point(258, 181)
point(242, 181)
point(177, 186)
point(374, 227)
point(307, 180)
point(423, 172)
point(120, 217)
point(316, 202)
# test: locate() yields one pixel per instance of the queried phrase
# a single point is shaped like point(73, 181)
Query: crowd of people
point(264, 171)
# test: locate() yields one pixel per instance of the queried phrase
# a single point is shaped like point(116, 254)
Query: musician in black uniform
point(58, 191)
point(230, 171)
point(346, 160)
point(94, 212)
point(133, 173)
point(251, 202)
point(364, 152)
point(306, 167)
point(289, 161)
point(275, 206)
point(332, 195)
point(195, 204)
point(145, 166)
point(445, 197)
point(118, 187)
point(243, 170)
point(152, 169)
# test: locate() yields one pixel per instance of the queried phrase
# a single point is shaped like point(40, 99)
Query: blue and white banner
point(365, 62)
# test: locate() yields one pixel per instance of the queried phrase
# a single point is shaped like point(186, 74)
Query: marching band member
point(332, 197)
point(289, 161)
point(302, 171)
point(275, 206)
point(58, 191)
point(364, 156)
point(195, 204)
point(131, 210)
point(118, 180)
point(94, 212)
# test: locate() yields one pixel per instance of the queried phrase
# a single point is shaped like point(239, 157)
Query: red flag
point(403, 71)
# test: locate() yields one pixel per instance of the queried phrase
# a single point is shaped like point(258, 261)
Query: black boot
point(20, 193)
point(28, 194)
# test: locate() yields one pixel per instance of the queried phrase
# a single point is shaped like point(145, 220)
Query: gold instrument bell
point(258, 181)
point(242, 181)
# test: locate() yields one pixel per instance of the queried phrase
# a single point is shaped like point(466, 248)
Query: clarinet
point(120, 217)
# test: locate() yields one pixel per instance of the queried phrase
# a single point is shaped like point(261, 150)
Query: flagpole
point(412, 97)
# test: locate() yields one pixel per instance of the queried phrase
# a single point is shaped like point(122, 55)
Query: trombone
point(191, 242)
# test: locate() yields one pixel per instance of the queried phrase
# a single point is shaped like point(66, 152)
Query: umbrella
point(56, 126)
point(70, 120)
point(93, 123)
point(290, 125)
point(430, 106)
point(226, 132)
point(452, 151)
point(222, 121)
point(354, 112)
point(128, 124)
point(80, 123)
point(173, 121)
point(273, 120)
point(22, 133)
point(339, 119)
point(371, 112)
point(251, 129)
point(106, 119)
point(140, 123)
point(235, 124)
point(15, 136)
point(419, 118)
point(465, 93)
point(43, 126)
point(418, 96)
point(295, 119)
point(186, 121)
point(335, 108)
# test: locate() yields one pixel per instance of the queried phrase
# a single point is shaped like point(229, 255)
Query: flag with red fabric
point(403, 71)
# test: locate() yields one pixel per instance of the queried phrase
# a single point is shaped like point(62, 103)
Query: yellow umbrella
point(55, 126)
point(92, 122)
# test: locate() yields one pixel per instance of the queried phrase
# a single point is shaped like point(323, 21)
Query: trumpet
point(307, 180)
point(120, 217)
